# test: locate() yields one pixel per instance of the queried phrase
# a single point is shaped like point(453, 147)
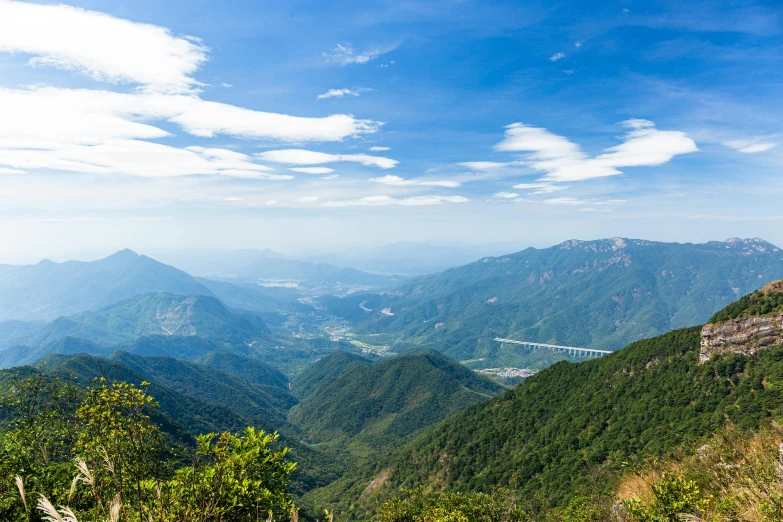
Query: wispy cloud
point(345, 54)
point(307, 199)
point(380, 201)
point(505, 195)
point(397, 181)
point(341, 93)
point(562, 160)
point(312, 170)
point(540, 188)
point(751, 146)
point(308, 157)
point(485, 165)
point(5, 171)
point(557, 57)
point(379, 149)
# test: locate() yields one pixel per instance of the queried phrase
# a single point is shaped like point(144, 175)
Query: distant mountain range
point(598, 294)
point(272, 268)
point(48, 290)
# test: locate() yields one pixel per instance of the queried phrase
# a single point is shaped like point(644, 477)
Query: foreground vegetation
point(69, 454)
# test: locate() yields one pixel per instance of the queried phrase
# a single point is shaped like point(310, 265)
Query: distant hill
point(246, 368)
point(410, 258)
point(598, 294)
point(214, 386)
point(48, 290)
point(143, 322)
point(382, 404)
point(324, 371)
point(568, 430)
point(267, 269)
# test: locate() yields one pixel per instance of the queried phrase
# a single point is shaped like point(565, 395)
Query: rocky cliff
point(746, 329)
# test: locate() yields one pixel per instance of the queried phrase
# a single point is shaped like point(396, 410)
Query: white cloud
point(5, 171)
point(563, 160)
point(312, 170)
point(540, 188)
point(505, 195)
point(557, 57)
point(578, 44)
point(308, 157)
point(379, 201)
point(271, 202)
point(101, 131)
point(397, 181)
point(750, 146)
point(345, 55)
point(232, 198)
point(341, 93)
point(379, 149)
point(101, 46)
point(307, 199)
point(332, 176)
point(484, 165)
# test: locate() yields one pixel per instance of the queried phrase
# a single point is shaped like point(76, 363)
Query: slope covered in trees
point(379, 405)
point(568, 430)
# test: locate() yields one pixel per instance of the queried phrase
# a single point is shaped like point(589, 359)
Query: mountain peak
point(755, 244)
point(125, 253)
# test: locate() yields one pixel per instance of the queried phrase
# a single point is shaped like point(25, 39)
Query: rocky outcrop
point(744, 335)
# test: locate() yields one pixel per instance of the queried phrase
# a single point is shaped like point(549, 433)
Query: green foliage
point(751, 305)
point(233, 477)
point(416, 506)
point(101, 455)
point(674, 496)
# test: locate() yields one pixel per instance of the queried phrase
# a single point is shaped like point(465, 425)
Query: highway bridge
point(570, 350)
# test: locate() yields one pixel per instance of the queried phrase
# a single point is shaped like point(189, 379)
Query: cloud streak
point(309, 157)
point(382, 201)
point(397, 181)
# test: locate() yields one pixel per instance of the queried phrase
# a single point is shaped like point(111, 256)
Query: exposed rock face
point(745, 335)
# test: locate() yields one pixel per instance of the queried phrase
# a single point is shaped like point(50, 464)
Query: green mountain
point(194, 414)
point(249, 369)
point(323, 371)
point(200, 324)
point(214, 386)
point(569, 429)
point(48, 290)
point(598, 294)
point(381, 404)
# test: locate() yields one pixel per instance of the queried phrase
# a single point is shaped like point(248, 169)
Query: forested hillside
point(378, 406)
point(570, 428)
point(598, 294)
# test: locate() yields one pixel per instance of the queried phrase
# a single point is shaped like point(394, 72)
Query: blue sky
point(312, 126)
